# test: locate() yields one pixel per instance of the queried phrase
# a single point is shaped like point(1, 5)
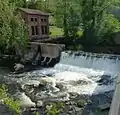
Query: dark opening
point(45, 20)
point(36, 29)
point(33, 30)
point(32, 19)
point(41, 20)
point(46, 30)
point(36, 19)
point(42, 28)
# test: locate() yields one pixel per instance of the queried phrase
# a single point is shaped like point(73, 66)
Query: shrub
point(12, 104)
point(55, 109)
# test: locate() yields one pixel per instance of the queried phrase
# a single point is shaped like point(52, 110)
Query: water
point(77, 72)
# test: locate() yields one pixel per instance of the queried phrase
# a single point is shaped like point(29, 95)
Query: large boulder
point(18, 67)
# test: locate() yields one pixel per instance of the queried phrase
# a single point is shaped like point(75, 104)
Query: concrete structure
point(44, 54)
point(37, 22)
point(115, 106)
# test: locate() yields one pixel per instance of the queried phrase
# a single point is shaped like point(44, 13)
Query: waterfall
point(105, 62)
point(77, 72)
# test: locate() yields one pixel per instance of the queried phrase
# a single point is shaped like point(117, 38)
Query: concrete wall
point(115, 106)
point(51, 51)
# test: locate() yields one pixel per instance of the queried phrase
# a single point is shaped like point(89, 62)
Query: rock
point(104, 106)
point(81, 103)
point(48, 107)
point(48, 81)
point(39, 104)
point(61, 86)
point(77, 109)
point(34, 83)
point(33, 109)
point(1, 101)
point(25, 101)
point(105, 80)
point(18, 67)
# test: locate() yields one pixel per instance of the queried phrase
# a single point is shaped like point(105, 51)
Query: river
point(78, 73)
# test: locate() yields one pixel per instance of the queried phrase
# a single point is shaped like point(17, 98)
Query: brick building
point(37, 22)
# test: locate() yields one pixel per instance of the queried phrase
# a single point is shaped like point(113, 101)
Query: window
point(35, 19)
point(32, 19)
point(33, 30)
point(42, 29)
point(41, 20)
point(36, 29)
point(46, 31)
point(45, 20)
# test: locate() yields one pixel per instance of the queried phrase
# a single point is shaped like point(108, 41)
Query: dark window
point(45, 29)
point(33, 30)
point(36, 19)
point(36, 29)
point(32, 19)
point(41, 20)
point(42, 29)
point(45, 20)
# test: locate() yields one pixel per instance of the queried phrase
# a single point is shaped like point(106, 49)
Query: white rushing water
point(81, 73)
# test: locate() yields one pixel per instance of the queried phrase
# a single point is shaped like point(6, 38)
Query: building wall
point(39, 22)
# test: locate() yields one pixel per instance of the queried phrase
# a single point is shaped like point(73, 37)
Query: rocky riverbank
point(64, 103)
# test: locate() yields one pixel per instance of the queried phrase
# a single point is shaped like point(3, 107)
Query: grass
point(55, 31)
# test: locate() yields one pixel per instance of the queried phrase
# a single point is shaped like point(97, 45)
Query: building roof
point(33, 11)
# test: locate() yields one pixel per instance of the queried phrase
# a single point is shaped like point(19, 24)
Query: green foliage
point(82, 103)
point(94, 15)
point(19, 3)
point(37, 113)
point(13, 104)
point(13, 33)
point(76, 47)
point(112, 24)
point(67, 17)
point(55, 109)
point(55, 31)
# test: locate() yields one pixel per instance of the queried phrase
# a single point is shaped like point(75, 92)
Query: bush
point(13, 32)
point(111, 26)
point(12, 104)
point(55, 109)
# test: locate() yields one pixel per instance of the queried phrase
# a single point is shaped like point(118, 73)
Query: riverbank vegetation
point(5, 98)
point(91, 20)
point(13, 32)
point(83, 21)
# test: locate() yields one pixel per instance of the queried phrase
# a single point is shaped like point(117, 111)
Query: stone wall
point(43, 52)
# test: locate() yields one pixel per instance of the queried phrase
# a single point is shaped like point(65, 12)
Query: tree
point(45, 5)
point(19, 3)
point(67, 17)
point(13, 32)
point(94, 14)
